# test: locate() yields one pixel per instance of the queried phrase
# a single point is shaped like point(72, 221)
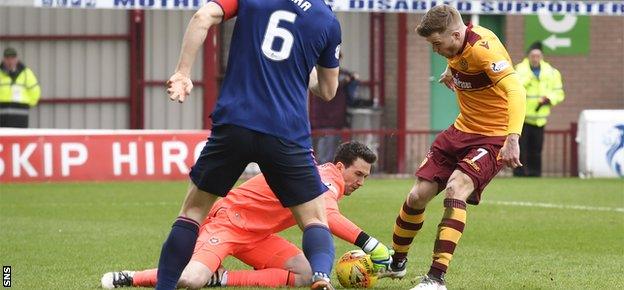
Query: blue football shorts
point(290, 170)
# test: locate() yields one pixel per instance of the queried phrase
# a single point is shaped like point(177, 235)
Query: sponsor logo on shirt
point(470, 81)
point(461, 84)
point(472, 164)
point(499, 66)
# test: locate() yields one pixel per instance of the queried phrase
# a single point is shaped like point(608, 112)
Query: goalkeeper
point(244, 225)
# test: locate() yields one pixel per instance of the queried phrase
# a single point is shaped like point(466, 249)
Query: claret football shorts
point(475, 155)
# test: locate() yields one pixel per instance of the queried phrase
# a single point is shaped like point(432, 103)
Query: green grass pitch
point(527, 234)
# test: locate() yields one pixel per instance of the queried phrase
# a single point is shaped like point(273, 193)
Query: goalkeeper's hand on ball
point(380, 255)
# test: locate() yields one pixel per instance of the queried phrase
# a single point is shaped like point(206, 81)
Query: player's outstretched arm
point(516, 100)
point(179, 84)
point(324, 82)
point(345, 229)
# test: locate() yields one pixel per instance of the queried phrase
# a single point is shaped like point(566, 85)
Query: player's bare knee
point(415, 200)
point(311, 212)
point(194, 277)
point(451, 190)
point(299, 265)
point(304, 272)
point(197, 203)
point(303, 279)
point(420, 195)
point(459, 187)
point(302, 268)
point(192, 282)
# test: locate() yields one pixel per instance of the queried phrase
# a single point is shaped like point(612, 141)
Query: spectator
point(332, 115)
point(544, 90)
point(19, 90)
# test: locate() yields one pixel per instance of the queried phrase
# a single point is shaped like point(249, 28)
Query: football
point(355, 270)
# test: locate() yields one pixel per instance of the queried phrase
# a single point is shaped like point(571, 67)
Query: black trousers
point(14, 115)
point(531, 144)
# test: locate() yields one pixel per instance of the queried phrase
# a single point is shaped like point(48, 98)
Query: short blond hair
point(438, 19)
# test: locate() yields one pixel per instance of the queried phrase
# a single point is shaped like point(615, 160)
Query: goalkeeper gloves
point(379, 253)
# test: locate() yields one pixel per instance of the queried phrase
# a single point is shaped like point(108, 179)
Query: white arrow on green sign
point(559, 34)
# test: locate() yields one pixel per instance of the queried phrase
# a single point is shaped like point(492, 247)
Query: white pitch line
point(497, 202)
point(557, 206)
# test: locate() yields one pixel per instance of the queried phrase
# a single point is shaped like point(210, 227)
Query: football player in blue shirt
point(279, 50)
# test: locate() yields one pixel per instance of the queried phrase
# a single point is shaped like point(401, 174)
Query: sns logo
point(500, 66)
point(6, 276)
point(615, 155)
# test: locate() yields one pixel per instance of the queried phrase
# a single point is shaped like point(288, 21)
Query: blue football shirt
point(274, 46)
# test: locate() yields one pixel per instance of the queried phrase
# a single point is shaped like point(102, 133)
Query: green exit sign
point(559, 34)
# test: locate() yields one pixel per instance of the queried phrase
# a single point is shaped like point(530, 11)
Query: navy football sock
point(318, 247)
point(176, 252)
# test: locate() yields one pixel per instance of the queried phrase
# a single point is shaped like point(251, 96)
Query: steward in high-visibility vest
point(543, 92)
point(544, 89)
point(19, 90)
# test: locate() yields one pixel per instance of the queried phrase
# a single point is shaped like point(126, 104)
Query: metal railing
point(559, 156)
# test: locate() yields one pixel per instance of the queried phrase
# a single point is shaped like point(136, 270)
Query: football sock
point(261, 278)
point(145, 278)
point(176, 252)
point(318, 247)
point(407, 225)
point(450, 231)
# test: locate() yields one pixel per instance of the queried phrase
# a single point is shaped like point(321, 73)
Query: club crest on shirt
point(500, 66)
point(463, 64)
point(331, 187)
point(214, 240)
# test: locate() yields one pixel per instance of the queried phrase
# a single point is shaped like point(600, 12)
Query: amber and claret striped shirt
point(477, 70)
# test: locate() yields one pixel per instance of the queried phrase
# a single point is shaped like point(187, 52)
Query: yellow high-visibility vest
point(548, 84)
point(24, 90)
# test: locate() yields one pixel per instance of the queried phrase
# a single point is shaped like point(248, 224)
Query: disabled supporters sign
point(525, 7)
point(97, 155)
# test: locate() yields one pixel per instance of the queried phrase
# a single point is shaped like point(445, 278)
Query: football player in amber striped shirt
point(465, 157)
